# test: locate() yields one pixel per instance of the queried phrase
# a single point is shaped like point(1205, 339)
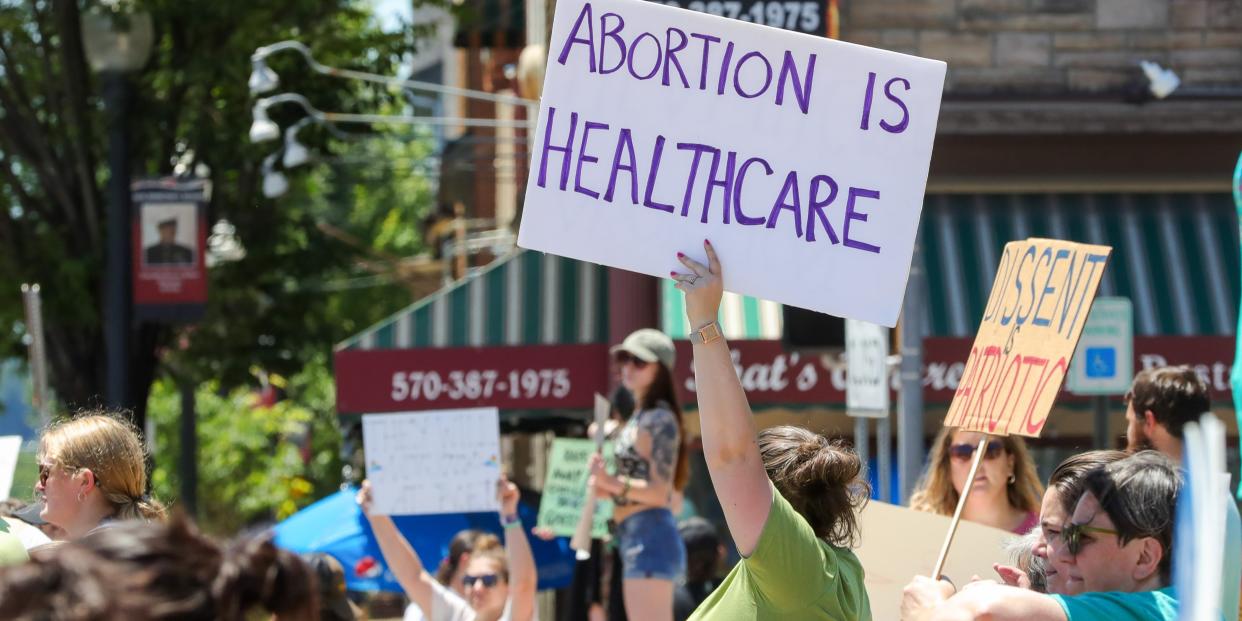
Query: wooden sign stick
point(961, 504)
point(581, 541)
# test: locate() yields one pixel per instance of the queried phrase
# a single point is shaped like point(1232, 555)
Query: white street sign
point(866, 353)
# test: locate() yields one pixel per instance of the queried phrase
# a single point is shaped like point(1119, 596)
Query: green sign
point(564, 489)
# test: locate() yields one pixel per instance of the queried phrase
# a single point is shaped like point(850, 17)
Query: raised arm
point(728, 430)
point(523, 578)
point(399, 555)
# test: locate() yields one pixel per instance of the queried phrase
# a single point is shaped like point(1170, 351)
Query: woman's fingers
point(713, 262)
point(698, 268)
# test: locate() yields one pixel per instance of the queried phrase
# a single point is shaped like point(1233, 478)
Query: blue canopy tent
point(335, 525)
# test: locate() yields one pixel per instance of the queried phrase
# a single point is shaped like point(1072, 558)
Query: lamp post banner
point(803, 159)
point(169, 249)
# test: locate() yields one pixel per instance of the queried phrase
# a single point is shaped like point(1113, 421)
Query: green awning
point(1174, 255)
point(527, 298)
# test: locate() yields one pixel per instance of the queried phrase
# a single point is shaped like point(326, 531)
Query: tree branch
point(74, 78)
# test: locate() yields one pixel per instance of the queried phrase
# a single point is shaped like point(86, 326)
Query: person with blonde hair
point(92, 470)
point(1006, 493)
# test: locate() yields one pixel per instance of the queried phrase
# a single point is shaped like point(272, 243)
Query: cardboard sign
point(1037, 309)
point(803, 159)
point(445, 461)
point(890, 562)
point(564, 488)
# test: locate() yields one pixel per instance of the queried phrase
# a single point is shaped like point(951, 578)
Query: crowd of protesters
point(1095, 543)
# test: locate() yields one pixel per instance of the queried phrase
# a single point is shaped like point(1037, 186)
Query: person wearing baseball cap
point(651, 467)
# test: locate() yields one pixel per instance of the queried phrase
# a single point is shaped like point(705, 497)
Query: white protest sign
point(444, 461)
point(866, 377)
point(10, 446)
point(803, 159)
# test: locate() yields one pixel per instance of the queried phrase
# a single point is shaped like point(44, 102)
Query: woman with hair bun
point(92, 470)
point(789, 495)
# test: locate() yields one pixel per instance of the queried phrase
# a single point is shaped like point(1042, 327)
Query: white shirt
point(449, 606)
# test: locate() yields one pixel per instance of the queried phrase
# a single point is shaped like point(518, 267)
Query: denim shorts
point(650, 546)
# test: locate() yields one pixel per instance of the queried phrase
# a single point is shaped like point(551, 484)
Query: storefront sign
point(367, 381)
point(805, 16)
point(532, 377)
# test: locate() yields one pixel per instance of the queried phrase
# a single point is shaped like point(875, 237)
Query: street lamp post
point(116, 45)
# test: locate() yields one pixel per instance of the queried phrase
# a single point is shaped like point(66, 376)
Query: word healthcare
point(794, 154)
point(725, 179)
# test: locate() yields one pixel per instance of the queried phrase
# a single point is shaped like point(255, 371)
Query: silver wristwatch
point(709, 333)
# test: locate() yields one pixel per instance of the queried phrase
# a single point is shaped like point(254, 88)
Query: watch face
point(709, 332)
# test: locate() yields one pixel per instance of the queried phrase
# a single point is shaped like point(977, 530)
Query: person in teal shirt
point(1159, 403)
point(789, 495)
point(1116, 548)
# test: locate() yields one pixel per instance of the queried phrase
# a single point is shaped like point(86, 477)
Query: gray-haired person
point(1117, 544)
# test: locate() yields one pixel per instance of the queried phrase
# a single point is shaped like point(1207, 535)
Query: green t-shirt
point(1116, 606)
point(791, 574)
point(12, 551)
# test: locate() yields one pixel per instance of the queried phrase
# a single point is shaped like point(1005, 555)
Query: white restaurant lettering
point(802, 372)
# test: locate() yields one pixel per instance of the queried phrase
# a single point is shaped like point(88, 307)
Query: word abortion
point(647, 55)
point(727, 173)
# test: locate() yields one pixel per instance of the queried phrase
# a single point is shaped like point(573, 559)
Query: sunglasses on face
point(488, 580)
point(45, 471)
point(1074, 537)
point(966, 451)
point(624, 358)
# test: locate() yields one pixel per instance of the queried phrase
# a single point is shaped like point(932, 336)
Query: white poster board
point(10, 446)
point(443, 461)
point(866, 377)
point(803, 159)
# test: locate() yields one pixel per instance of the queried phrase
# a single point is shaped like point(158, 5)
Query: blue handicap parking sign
point(1101, 361)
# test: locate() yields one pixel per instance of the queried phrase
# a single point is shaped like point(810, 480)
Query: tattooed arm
point(658, 442)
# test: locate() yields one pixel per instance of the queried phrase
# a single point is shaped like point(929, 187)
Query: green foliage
point(298, 290)
point(255, 463)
